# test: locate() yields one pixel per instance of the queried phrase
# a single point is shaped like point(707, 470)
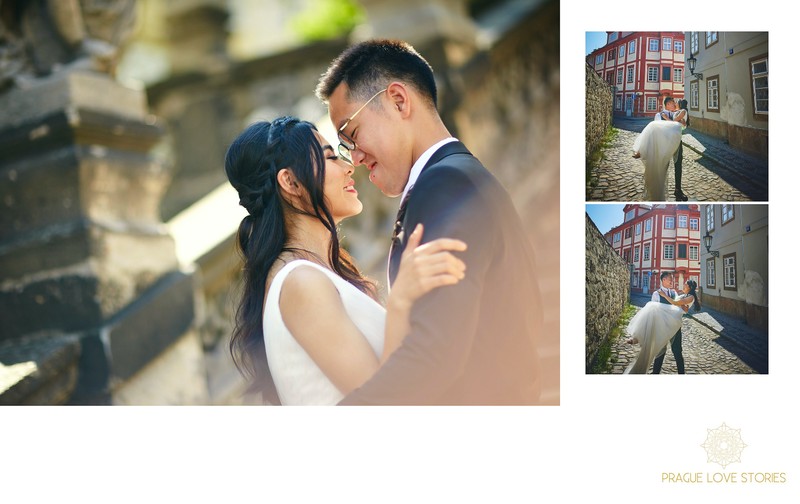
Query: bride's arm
point(683, 302)
point(422, 269)
point(312, 310)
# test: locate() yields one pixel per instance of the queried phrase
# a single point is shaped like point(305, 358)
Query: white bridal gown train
point(656, 144)
point(653, 326)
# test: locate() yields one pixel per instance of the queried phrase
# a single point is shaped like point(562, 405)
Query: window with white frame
point(669, 222)
point(653, 45)
point(711, 273)
point(694, 95)
point(667, 44)
point(612, 53)
point(727, 214)
point(711, 38)
point(621, 52)
point(646, 252)
point(677, 75)
point(619, 76)
point(694, 224)
point(610, 77)
point(683, 221)
point(759, 74)
point(647, 225)
point(636, 254)
point(669, 251)
point(627, 233)
point(694, 42)
point(679, 46)
point(694, 253)
point(652, 74)
point(652, 103)
point(631, 47)
point(712, 87)
point(618, 104)
point(729, 271)
point(613, 36)
point(630, 74)
point(709, 218)
point(626, 255)
point(630, 214)
point(617, 236)
point(638, 228)
point(598, 60)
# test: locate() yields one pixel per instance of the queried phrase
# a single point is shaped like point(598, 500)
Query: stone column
point(419, 22)
point(91, 296)
point(190, 101)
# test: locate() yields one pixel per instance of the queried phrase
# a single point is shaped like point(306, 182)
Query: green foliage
point(327, 19)
point(604, 360)
point(599, 154)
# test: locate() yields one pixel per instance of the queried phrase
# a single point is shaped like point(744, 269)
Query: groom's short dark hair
point(667, 99)
point(665, 274)
point(369, 66)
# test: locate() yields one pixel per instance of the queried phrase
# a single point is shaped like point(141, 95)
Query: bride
point(655, 324)
point(655, 146)
point(309, 328)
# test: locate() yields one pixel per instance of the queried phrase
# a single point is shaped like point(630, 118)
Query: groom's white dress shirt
point(657, 298)
point(658, 117)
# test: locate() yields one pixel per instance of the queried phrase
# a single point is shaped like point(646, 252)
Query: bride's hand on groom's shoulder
point(426, 267)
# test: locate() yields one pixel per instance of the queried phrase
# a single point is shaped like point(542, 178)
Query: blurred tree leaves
point(327, 19)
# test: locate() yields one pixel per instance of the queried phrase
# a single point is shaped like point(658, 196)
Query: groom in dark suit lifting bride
point(470, 343)
point(676, 342)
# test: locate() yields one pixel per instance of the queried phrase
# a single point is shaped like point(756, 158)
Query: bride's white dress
point(297, 377)
point(656, 144)
point(653, 326)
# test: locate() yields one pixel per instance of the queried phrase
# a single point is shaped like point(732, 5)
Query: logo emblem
point(724, 445)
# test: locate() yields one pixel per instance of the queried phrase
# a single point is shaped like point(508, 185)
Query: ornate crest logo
point(724, 445)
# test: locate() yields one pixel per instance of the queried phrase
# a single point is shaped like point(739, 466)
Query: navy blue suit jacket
point(474, 342)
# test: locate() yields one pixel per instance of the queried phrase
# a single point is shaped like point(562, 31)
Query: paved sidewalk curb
point(727, 157)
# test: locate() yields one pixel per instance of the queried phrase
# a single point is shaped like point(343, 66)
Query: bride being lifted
point(658, 322)
point(657, 144)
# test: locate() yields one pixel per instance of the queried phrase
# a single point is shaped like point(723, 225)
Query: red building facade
point(658, 238)
point(643, 68)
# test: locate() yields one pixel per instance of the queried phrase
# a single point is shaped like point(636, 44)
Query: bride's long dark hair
point(683, 105)
point(693, 292)
point(252, 164)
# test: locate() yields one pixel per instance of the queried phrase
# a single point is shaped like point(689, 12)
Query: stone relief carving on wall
point(40, 37)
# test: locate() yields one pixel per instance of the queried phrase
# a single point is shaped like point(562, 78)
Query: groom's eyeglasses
point(347, 144)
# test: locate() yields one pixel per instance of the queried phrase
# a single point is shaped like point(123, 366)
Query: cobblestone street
point(713, 343)
point(712, 170)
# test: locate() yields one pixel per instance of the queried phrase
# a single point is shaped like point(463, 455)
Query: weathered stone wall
point(90, 292)
point(508, 115)
point(599, 109)
point(607, 289)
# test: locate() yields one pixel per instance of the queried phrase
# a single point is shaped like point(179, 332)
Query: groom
point(676, 341)
point(470, 343)
point(668, 114)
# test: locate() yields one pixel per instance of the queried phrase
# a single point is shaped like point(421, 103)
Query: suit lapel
point(399, 234)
